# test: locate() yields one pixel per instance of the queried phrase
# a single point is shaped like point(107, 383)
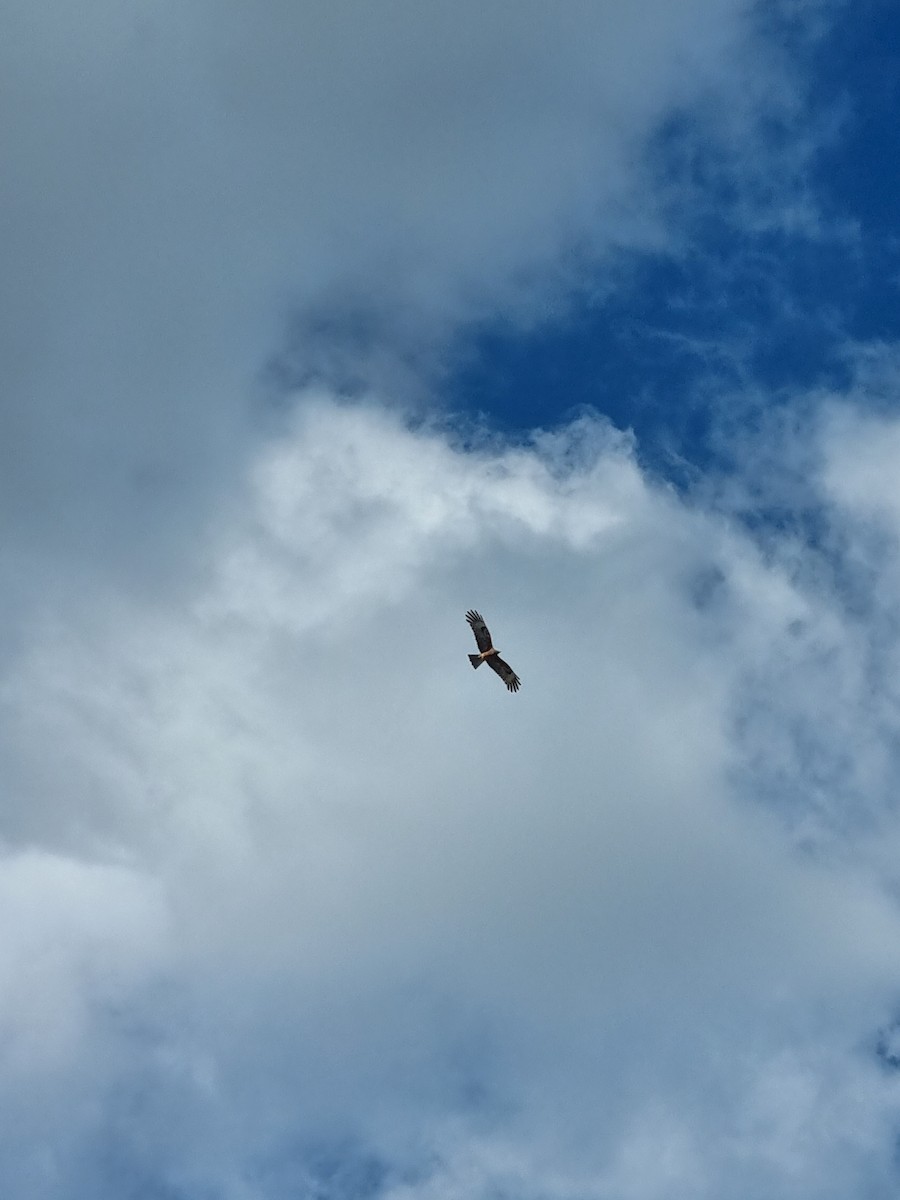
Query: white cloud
point(473, 940)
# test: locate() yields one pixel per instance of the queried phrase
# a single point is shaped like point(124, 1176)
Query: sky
point(322, 324)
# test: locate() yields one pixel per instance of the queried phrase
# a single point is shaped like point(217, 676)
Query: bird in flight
point(488, 654)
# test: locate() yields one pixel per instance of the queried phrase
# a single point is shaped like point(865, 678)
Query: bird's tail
point(476, 660)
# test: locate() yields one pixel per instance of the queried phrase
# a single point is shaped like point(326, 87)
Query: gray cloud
point(181, 185)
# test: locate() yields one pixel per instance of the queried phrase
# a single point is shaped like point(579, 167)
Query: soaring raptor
point(488, 654)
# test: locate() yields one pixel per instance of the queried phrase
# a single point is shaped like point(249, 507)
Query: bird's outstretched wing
point(482, 634)
point(505, 671)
